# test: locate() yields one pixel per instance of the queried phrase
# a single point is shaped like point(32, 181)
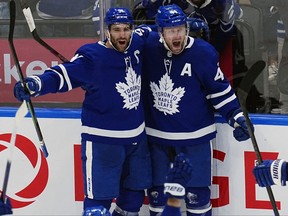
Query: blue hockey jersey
point(182, 91)
point(112, 111)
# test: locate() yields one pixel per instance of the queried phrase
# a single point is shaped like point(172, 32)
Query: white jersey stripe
point(114, 133)
point(89, 161)
point(66, 77)
point(223, 103)
point(226, 91)
point(181, 135)
point(61, 78)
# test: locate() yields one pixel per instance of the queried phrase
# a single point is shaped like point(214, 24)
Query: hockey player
point(179, 175)
point(184, 85)
point(271, 172)
point(115, 156)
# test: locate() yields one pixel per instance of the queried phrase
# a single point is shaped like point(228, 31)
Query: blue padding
point(262, 119)
point(64, 113)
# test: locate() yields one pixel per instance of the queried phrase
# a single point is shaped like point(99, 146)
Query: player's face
point(175, 38)
point(120, 35)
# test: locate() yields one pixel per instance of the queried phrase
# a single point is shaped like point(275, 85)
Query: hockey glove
point(178, 177)
point(96, 211)
point(237, 121)
point(32, 89)
point(271, 172)
point(5, 208)
point(199, 28)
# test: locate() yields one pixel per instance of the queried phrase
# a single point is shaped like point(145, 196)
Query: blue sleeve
point(218, 89)
point(65, 77)
point(146, 29)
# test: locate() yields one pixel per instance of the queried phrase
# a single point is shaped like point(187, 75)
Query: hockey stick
point(32, 27)
point(242, 93)
point(21, 77)
point(20, 115)
point(171, 155)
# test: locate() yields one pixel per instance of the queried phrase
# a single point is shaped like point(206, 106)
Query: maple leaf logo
point(166, 98)
point(130, 91)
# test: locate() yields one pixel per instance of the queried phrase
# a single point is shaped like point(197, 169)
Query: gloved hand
point(32, 89)
point(237, 121)
point(5, 208)
point(96, 211)
point(199, 28)
point(271, 172)
point(178, 177)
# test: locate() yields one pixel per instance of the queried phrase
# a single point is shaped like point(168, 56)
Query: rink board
point(53, 185)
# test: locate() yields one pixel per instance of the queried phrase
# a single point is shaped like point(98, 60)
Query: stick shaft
point(259, 160)
point(21, 77)
point(242, 93)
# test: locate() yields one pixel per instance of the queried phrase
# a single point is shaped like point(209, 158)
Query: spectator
point(273, 37)
point(282, 77)
point(275, 18)
point(270, 17)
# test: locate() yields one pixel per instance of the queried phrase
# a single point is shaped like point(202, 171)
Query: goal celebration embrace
point(145, 108)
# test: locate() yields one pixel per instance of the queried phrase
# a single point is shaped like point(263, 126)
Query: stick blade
point(21, 112)
point(251, 76)
point(248, 81)
point(19, 116)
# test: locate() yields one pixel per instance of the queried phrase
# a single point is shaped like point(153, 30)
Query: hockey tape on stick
point(171, 154)
point(21, 77)
point(242, 93)
point(20, 115)
point(30, 21)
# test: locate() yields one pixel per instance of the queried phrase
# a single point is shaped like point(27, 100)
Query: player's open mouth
point(122, 42)
point(176, 44)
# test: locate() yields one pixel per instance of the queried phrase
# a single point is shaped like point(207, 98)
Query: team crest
point(130, 91)
point(166, 98)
